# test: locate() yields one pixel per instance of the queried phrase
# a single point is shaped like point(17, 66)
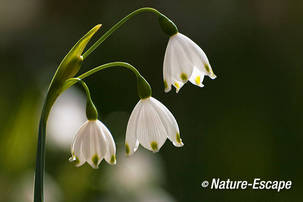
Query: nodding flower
point(150, 124)
point(184, 60)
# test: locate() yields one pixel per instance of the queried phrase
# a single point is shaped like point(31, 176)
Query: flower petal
point(197, 77)
point(110, 155)
point(90, 145)
point(95, 145)
point(131, 141)
point(167, 86)
point(150, 130)
point(169, 122)
point(77, 154)
point(198, 56)
point(76, 149)
point(167, 68)
point(181, 64)
point(177, 67)
point(178, 85)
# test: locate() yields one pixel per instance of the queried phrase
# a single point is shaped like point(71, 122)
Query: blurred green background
point(245, 124)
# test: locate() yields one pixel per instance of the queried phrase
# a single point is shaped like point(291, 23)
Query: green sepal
point(143, 87)
point(167, 25)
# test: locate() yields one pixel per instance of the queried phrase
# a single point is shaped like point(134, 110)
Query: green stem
point(39, 175)
point(144, 89)
point(118, 25)
point(110, 64)
point(91, 110)
point(40, 158)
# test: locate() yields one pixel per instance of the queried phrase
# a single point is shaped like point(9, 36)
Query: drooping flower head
point(150, 124)
point(92, 143)
point(184, 60)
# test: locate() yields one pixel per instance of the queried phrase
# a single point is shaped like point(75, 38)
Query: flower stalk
point(166, 24)
point(91, 110)
point(143, 87)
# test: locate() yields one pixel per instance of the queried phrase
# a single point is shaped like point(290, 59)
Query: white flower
point(150, 124)
point(184, 60)
point(92, 143)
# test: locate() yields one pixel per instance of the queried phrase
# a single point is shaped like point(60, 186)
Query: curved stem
point(40, 157)
point(91, 110)
point(72, 81)
point(111, 64)
point(144, 89)
point(39, 175)
point(116, 26)
point(85, 87)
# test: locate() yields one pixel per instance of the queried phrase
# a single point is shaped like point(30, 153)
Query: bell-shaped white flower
point(92, 143)
point(150, 124)
point(184, 60)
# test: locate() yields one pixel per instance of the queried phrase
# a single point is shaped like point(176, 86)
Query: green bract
point(70, 65)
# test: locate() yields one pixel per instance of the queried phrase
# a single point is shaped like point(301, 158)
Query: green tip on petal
point(95, 160)
point(74, 159)
point(210, 71)
point(178, 138)
point(154, 146)
point(127, 150)
point(207, 68)
point(165, 85)
point(184, 77)
point(77, 161)
point(113, 159)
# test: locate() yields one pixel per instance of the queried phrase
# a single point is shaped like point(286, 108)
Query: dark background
point(245, 124)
